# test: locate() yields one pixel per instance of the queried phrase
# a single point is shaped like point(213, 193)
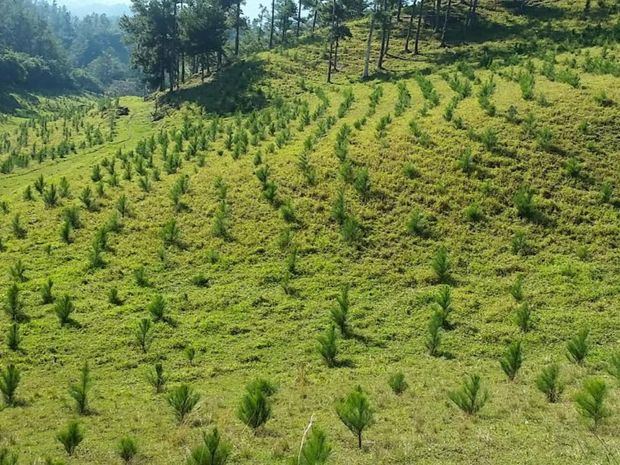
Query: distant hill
point(81, 9)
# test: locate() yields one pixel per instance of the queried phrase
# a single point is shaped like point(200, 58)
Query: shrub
point(526, 83)
point(339, 210)
point(351, 230)
point(212, 451)
point(255, 407)
point(591, 401)
point(65, 232)
point(473, 213)
point(71, 215)
point(288, 212)
point(156, 378)
point(441, 265)
point(50, 196)
point(327, 347)
point(183, 400)
point(18, 271)
point(122, 206)
point(157, 308)
point(443, 305)
point(577, 348)
point(79, 391)
point(516, 290)
point(410, 171)
point(144, 336)
point(71, 437)
point(127, 449)
point(524, 317)
point(548, 382)
point(573, 168)
point(471, 397)
point(356, 413)
point(398, 383)
point(114, 298)
point(170, 233)
point(512, 360)
point(13, 339)
point(362, 183)
point(64, 309)
point(315, 450)
point(339, 313)
point(190, 354)
point(613, 368)
point(9, 381)
point(466, 161)
point(47, 297)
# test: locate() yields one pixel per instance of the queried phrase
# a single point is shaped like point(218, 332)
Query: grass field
point(249, 282)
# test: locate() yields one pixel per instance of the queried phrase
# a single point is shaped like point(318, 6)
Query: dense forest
point(42, 46)
point(339, 233)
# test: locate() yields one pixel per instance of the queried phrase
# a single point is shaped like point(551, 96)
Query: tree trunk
point(331, 42)
point(359, 440)
point(369, 41)
point(445, 24)
point(273, 17)
point(336, 55)
point(316, 11)
point(400, 8)
point(416, 50)
point(437, 14)
point(410, 27)
point(298, 19)
point(383, 35)
point(389, 34)
point(237, 26)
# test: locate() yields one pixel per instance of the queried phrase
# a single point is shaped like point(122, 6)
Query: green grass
point(248, 317)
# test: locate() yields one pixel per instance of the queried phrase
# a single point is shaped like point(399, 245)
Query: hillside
point(234, 214)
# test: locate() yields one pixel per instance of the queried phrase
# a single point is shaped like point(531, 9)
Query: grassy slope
point(243, 325)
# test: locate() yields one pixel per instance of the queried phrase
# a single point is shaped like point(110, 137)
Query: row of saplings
point(355, 410)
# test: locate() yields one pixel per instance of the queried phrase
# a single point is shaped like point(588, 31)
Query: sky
point(84, 7)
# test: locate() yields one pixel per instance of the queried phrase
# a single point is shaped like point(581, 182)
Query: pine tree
point(356, 413)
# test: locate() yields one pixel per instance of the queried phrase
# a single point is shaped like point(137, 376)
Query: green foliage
point(471, 397)
point(433, 339)
point(418, 224)
point(340, 313)
point(71, 437)
point(328, 347)
point(13, 339)
point(512, 360)
point(356, 413)
point(548, 382)
point(613, 368)
point(255, 407)
point(397, 382)
point(156, 377)
point(47, 296)
point(523, 317)
point(9, 381)
point(213, 450)
point(63, 309)
point(441, 265)
point(525, 203)
point(13, 304)
point(157, 308)
point(590, 401)
point(79, 391)
point(577, 348)
point(127, 449)
point(183, 400)
point(144, 335)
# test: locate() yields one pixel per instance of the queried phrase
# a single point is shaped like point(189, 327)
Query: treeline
point(42, 46)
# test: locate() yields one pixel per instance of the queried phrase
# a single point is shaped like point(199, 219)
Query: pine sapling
point(548, 382)
point(591, 401)
point(577, 348)
point(512, 360)
point(471, 397)
point(356, 413)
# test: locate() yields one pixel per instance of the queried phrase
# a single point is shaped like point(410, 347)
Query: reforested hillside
point(419, 267)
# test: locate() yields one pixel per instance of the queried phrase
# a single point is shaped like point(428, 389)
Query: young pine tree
point(212, 451)
point(356, 413)
point(315, 449)
point(340, 313)
point(577, 348)
point(183, 400)
point(156, 377)
point(255, 407)
point(512, 360)
point(548, 382)
point(327, 347)
point(9, 381)
point(71, 437)
point(441, 265)
point(127, 449)
point(591, 401)
point(398, 383)
point(79, 391)
point(471, 397)
point(144, 335)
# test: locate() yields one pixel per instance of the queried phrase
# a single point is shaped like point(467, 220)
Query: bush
point(183, 401)
point(525, 203)
point(591, 401)
point(443, 305)
point(362, 183)
point(127, 449)
point(398, 383)
point(471, 397)
point(548, 382)
point(441, 265)
point(71, 437)
point(64, 308)
point(614, 366)
point(141, 277)
point(79, 390)
point(114, 298)
point(9, 381)
point(577, 348)
point(433, 340)
point(512, 360)
point(47, 297)
point(18, 271)
point(356, 413)
point(351, 230)
point(13, 304)
point(255, 407)
point(16, 226)
point(417, 225)
point(328, 348)
point(170, 233)
point(212, 451)
point(473, 213)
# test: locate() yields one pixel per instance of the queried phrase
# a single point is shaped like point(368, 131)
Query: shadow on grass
point(233, 89)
